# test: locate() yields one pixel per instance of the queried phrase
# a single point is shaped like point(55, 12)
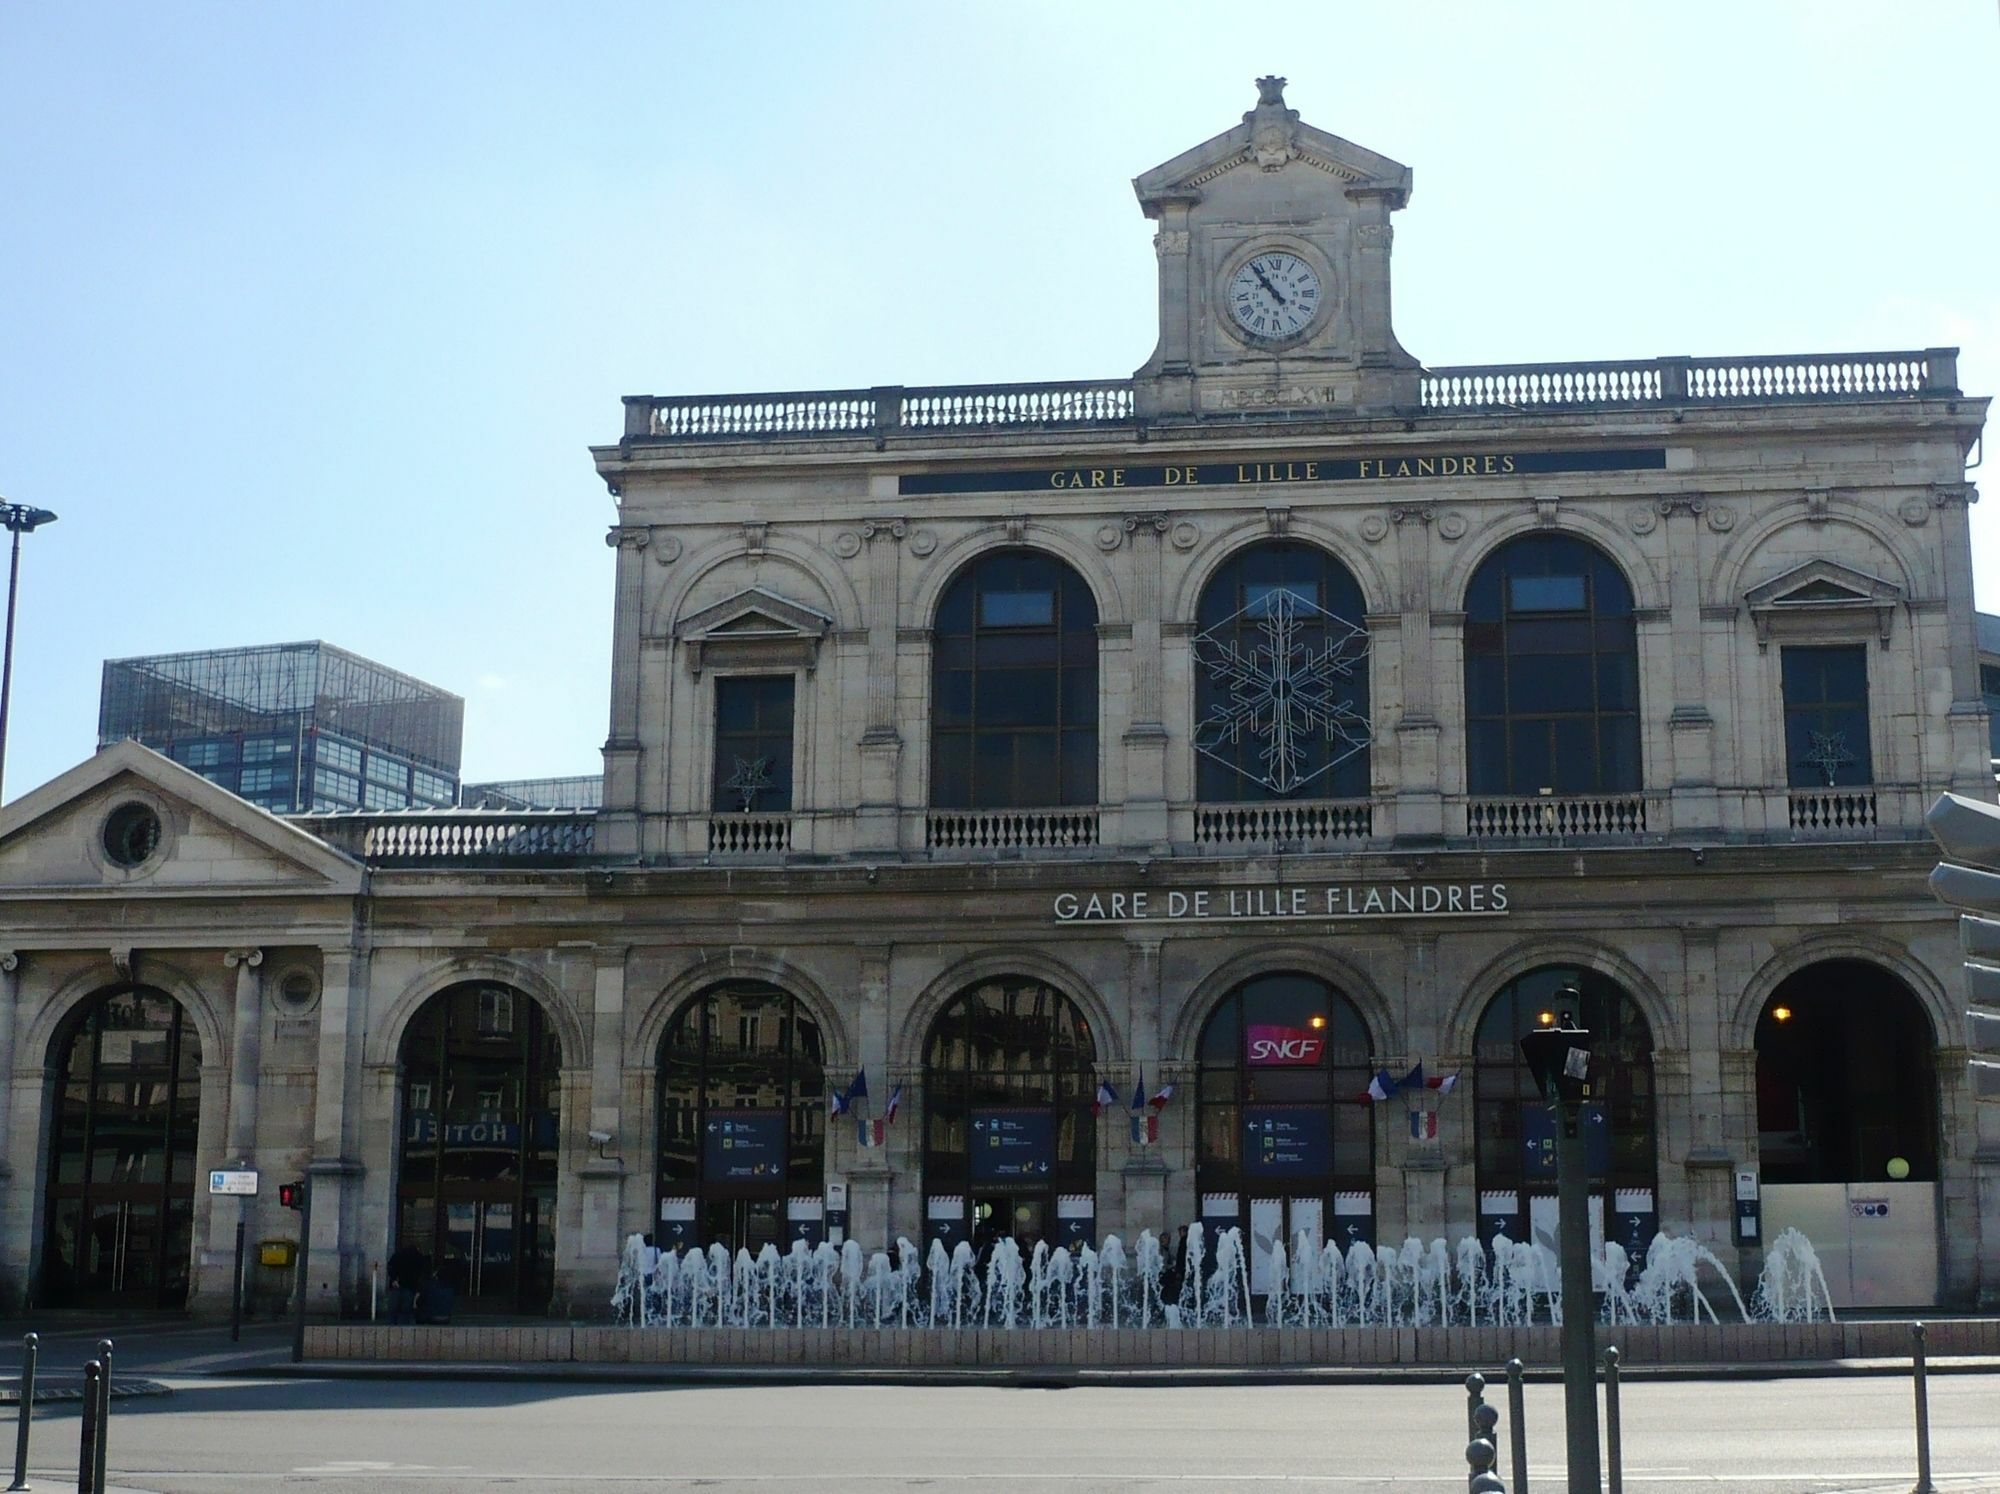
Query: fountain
point(1784, 1292)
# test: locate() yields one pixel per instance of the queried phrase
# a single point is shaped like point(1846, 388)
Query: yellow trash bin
point(277, 1252)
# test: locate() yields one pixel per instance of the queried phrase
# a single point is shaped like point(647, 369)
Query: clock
point(1274, 296)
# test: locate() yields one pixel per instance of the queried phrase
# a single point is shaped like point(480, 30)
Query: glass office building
point(295, 728)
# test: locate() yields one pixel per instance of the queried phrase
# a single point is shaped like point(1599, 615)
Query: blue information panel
point(1013, 1145)
point(1287, 1141)
point(744, 1146)
point(1538, 1137)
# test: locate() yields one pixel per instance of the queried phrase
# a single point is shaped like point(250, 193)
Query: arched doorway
point(1515, 1132)
point(1010, 1145)
point(476, 1177)
point(122, 1159)
point(742, 1123)
point(1287, 1136)
point(1847, 1130)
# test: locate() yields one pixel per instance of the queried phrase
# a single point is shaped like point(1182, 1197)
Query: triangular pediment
point(206, 840)
point(1271, 138)
point(755, 613)
point(1821, 583)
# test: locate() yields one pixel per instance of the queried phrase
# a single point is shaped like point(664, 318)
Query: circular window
point(297, 990)
point(131, 834)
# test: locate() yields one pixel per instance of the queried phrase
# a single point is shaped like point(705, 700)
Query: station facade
point(1170, 797)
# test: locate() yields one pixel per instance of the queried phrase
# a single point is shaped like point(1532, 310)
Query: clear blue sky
point(309, 312)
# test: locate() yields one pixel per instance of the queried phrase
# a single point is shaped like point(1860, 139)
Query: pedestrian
point(408, 1268)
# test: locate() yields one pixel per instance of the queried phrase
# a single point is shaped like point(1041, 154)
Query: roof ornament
point(1274, 129)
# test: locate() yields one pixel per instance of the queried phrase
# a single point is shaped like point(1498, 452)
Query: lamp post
point(1558, 1055)
point(19, 519)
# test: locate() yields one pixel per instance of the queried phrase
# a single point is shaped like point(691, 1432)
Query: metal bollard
point(103, 1411)
point(1517, 1425)
point(30, 1348)
point(1924, 1484)
point(1485, 1428)
point(86, 1451)
point(1615, 1454)
point(1482, 1480)
point(1475, 1397)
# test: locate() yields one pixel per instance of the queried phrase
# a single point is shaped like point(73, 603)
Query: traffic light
point(292, 1195)
point(1969, 832)
point(1558, 1055)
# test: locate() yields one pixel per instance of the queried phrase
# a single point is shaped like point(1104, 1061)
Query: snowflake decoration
point(1283, 692)
point(751, 778)
point(1826, 751)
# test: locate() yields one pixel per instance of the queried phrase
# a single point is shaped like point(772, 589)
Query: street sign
point(233, 1183)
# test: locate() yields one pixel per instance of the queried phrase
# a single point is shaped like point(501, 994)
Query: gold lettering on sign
point(1467, 464)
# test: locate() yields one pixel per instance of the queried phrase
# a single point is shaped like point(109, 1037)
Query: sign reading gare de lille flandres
point(1341, 900)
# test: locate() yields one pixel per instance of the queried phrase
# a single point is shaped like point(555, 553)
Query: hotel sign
point(1350, 900)
point(1305, 466)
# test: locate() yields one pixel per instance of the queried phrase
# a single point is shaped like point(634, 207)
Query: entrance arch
point(1286, 1132)
point(1848, 1129)
point(1010, 1144)
point(121, 1179)
point(1514, 1130)
point(742, 1122)
point(481, 1069)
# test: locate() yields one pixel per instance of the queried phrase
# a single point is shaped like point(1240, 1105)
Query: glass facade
point(122, 1161)
point(294, 728)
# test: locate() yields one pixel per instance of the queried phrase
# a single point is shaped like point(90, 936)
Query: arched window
point(476, 1185)
point(122, 1160)
point(1551, 672)
point(1515, 1131)
point(1281, 679)
point(1286, 1131)
point(742, 1156)
point(1009, 1076)
point(1014, 686)
point(1846, 1079)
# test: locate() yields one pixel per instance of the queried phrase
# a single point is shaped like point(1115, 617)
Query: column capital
point(251, 957)
point(10, 961)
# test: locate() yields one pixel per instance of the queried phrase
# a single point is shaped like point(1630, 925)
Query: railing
point(1111, 404)
point(1833, 809)
point(460, 837)
point(1010, 829)
point(749, 834)
point(1553, 818)
point(1302, 824)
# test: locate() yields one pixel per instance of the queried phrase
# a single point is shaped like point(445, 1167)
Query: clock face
point(1273, 296)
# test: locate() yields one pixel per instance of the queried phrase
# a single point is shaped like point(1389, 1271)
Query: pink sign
point(1270, 1044)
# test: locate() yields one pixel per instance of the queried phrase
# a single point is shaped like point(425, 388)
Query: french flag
point(1139, 1116)
point(1160, 1097)
point(1423, 1125)
point(841, 1102)
point(1444, 1084)
point(1381, 1086)
point(1107, 1097)
point(895, 1104)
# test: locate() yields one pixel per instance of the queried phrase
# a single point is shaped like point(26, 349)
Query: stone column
point(1408, 666)
point(1141, 1179)
point(245, 1052)
point(876, 823)
point(618, 824)
point(1690, 724)
point(870, 1179)
point(602, 1171)
point(1970, 747)
point(338, 1255)
point(1146, 735)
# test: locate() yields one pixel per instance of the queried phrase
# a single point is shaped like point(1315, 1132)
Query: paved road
point(1819, 1436)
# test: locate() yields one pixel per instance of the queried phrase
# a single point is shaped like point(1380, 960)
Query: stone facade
point(1747, 503)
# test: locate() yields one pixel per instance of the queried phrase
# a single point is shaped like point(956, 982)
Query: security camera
point(600, 1138)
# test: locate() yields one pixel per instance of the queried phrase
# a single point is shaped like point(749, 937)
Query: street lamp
point(1558, 1055)
point(19, 519)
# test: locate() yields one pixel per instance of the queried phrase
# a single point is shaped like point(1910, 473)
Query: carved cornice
point(251, 957)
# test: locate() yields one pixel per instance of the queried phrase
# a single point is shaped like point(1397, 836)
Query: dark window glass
point(121, 1174)
point(1551, 672)
point(753, 744)
point(1237, 709)
point(1014, 686)
point(1017, 1044)
point(1826, 717)
point(476, 1181)
point(1989, 686)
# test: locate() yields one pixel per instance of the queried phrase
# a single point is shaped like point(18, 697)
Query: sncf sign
point(1270, 1044)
